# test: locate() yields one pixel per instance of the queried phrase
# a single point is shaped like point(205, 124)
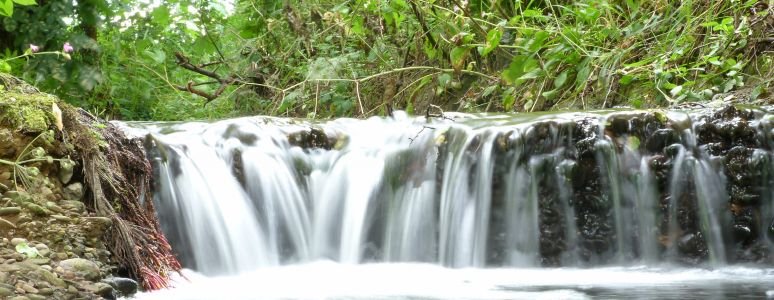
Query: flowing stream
point(553, 206)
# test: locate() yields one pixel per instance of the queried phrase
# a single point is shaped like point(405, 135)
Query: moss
point(26, 112)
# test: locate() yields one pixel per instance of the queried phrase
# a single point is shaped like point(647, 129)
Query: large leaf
point(560, 79)
point(520, 66)
point(5, 67)
point(492, 40)
point(537, 41)
point(25, 2)
point(457, 57)
point(160, 15)
point(28, 251)
point(6, 8)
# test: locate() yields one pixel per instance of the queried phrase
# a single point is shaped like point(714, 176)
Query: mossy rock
point(26, 112)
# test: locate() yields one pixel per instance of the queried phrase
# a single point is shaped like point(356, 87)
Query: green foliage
point(327, 58)
point(6, 6)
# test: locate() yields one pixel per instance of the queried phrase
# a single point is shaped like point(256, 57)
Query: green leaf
point(28, 251)
point(6, 8)
point(25, 2)
point(160, 15)
point(537, 41)
point(509, 99)
point(5, 67)
point(633, 143)
point(457, 57)
point(626, 79)
point(157, 55)
point(520, 65)
point(444, 79)
point(489, 90)
point(356, 26)
point(492, 40)
point(550, 94)
point(583, 74)
point(430, 51)
point(560, 79)
point(676, 90)
point(757, 92)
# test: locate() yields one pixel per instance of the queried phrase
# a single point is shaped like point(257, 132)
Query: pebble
point(9, 268)
point(53, 207)
point(73, 191)
point(16, 241)
point(51, 278)
point(62, 218)
point(13, 210)
point(28, 288)
point(83, 267)
point(37, 209)
point(39, 261)
point(46, 291)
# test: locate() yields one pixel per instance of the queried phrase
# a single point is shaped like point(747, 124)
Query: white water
point(328, 280)
point(242, 206)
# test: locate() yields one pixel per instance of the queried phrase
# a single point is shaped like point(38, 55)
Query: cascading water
point(575, 189)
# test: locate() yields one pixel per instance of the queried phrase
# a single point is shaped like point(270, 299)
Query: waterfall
point(574, 189)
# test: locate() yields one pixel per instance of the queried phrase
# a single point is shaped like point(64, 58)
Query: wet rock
point(8, 211)
point(73, 191)
point(124, 286)
point(660, 139)
point(103, 289)
point(81, 267)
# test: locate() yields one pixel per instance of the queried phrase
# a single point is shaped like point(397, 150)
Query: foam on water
point(329, 280)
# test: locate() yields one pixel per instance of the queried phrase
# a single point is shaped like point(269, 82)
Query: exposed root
point(118, 177)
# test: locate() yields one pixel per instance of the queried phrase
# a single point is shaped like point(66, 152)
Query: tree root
point(118, 177)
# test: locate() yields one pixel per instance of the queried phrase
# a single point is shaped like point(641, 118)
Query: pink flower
point(67, 48)
point(34, 48)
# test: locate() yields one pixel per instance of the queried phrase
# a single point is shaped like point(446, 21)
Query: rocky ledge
point(67, 211)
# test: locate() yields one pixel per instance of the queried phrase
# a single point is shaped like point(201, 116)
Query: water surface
point(329, 280)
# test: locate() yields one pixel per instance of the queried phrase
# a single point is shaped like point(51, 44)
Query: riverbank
point(70, 211)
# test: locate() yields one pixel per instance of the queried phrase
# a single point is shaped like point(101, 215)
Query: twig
point(419, 132)
point(426, 31)
point(184, 62)
point(359, 101)
point(428, 115)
